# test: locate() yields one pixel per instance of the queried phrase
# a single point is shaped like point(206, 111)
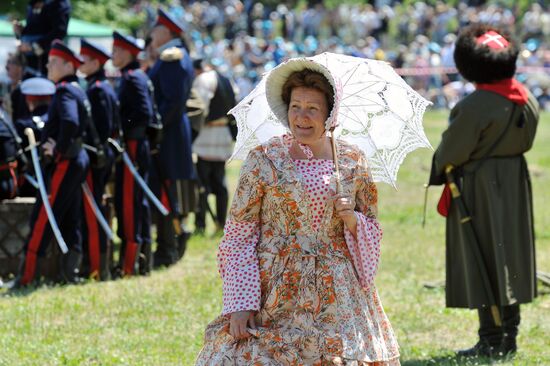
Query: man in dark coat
point(46, 21)
point(37, 94)
point(104, 107)
point(61, 142)
point(173, 170)
point(489, 132)
point(136, 114)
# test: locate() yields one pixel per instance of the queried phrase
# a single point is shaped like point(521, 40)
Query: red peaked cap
point(60, 50)
point(94, 51)
point(126, 42)
point(166, 20)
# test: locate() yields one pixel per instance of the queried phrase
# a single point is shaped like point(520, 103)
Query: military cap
point(60, 50)
point(127, 42)
point(169, 22)
point(37, 87)
point(94, 51)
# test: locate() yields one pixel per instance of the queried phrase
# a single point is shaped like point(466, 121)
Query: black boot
point(166, 253)
point(70, 266)
point(182, 243)
point(490, 337)
point(481, 349)
point(510, 323)
point(104, 267)
point(145, 259)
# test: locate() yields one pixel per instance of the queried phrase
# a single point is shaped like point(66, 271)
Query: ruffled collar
point(277, 151)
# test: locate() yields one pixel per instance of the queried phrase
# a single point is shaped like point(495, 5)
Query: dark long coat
point(497, 192)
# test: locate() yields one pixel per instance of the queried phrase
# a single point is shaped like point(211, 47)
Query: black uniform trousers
point(212, 179)
point(132, 208)
point(65, 200)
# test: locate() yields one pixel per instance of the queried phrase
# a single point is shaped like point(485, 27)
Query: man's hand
point(238, 324)
point(48, 147)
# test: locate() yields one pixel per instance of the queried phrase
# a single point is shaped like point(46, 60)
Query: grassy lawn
point(160, 319)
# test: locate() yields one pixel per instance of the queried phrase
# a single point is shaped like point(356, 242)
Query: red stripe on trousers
point(93, 230)
point(164, 196)
point(128, 214)
point(40, 224)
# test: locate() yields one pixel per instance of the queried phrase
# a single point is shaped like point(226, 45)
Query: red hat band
point(65, 56)
point(119, 43)
point(90, 52)
point(493, 40)
point(169, 24)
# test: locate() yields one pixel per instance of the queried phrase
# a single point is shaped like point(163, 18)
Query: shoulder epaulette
point(171, 54)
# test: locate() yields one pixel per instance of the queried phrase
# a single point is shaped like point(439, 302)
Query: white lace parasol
point(377, 111)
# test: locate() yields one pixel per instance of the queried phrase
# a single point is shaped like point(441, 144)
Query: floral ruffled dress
point(287, 256)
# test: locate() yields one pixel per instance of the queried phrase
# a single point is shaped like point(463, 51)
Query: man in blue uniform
point(37, 93)
point(46, 21)
point(61, 142)
point(136, 113)
point(8, 158)
point(104, 106)
point(173, 171)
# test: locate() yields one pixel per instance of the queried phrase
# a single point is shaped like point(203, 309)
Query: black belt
point(135, 133)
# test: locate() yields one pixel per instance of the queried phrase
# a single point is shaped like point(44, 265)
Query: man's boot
point(510, 323)
point(70, 266)
point(490, 337)
point(145, 259)
point(166, 253)
point(104, 267)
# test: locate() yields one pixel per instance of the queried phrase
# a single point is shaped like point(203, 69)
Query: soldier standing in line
point(136, 114)
point(46, 21)
point(173, 170)
point(214, 144)
point(61, 142)
point(104, 107)
point(37, 93)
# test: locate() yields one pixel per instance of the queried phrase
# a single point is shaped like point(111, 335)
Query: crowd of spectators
point(244, 39)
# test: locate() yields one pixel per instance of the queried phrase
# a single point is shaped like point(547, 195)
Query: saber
point(43, 194)
point(98, 214)
point(128, 162)
point(466, 221)
point(31, 180)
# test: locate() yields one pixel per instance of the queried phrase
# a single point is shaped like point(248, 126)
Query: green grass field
point(160, 319)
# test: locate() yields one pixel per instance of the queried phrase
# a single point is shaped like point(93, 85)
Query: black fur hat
point(485, 54)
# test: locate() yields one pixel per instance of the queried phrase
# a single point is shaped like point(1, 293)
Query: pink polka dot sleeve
point(365, 251)
point(239, 268)
point(237, 258)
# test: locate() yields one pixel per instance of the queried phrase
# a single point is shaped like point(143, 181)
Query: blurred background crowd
point(244, 39)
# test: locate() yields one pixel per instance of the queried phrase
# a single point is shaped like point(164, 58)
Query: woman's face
point(307, 113)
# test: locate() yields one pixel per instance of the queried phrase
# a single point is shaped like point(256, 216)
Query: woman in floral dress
point(298, 259)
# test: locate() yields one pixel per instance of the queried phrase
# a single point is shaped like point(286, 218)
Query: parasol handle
point(336, 167)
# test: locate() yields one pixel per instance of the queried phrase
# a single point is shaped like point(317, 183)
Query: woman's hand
point(345, 209)
point(238, 323)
